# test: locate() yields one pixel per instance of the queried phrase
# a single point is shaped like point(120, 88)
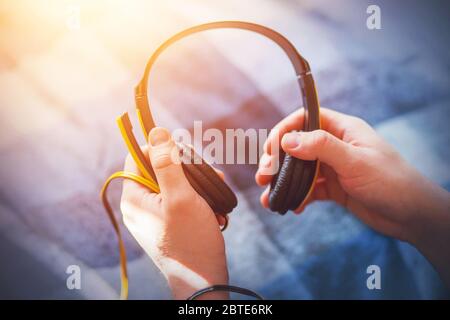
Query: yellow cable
point(133, 149)
point(123, 256)
point(103, 194)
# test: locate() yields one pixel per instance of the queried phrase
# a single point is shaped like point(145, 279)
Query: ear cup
point(206, 182)
point(291, 184)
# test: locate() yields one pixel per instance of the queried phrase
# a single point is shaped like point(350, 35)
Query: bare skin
point(176, 227)
point(362, 172)
point(359, 170)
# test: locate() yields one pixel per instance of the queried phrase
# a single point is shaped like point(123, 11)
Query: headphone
point(295, 178)
point(290, 186)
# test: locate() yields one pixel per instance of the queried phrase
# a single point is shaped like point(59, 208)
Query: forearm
point(432, 231)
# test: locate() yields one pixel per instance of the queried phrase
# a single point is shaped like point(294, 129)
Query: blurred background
point(68, 68)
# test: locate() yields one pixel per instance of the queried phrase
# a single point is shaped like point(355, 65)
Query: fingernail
point(158, 136)
point(291, 140)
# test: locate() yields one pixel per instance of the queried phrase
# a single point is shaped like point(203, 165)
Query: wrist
point(414, 206)
point(432, 233)
point(186, 279)
point(431, 216)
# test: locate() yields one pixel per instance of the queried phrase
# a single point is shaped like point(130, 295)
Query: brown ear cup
point(291, 185)
point(205, 180)
point(288, 189)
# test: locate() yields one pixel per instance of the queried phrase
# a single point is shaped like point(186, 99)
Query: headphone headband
point(289, 188)
point(300, 65)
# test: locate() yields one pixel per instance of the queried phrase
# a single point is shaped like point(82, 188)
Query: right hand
point(362, 172)
point(177, 228)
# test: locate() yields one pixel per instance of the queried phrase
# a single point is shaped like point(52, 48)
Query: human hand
point(176, 227)
point(362, 172)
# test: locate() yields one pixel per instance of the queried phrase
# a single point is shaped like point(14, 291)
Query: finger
point(221, 219)
point(265, 172)
point(164, 156)
point(132, 191)
point(332, 121)
point(266, 169)
point(321, 145)
point(294, 121)
point(264, 199)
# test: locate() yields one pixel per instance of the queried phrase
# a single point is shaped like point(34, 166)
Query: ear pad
point(206, 181)
point(291, 185)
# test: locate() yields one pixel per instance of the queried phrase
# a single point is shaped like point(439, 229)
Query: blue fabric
point(340, 273)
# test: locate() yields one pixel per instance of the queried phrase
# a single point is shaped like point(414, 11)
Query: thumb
point(321, 145)
point(164, 157)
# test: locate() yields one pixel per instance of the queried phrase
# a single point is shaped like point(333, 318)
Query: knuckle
point(165, 155)
point(161, 160)
point(319, 139)
point(356, 121)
